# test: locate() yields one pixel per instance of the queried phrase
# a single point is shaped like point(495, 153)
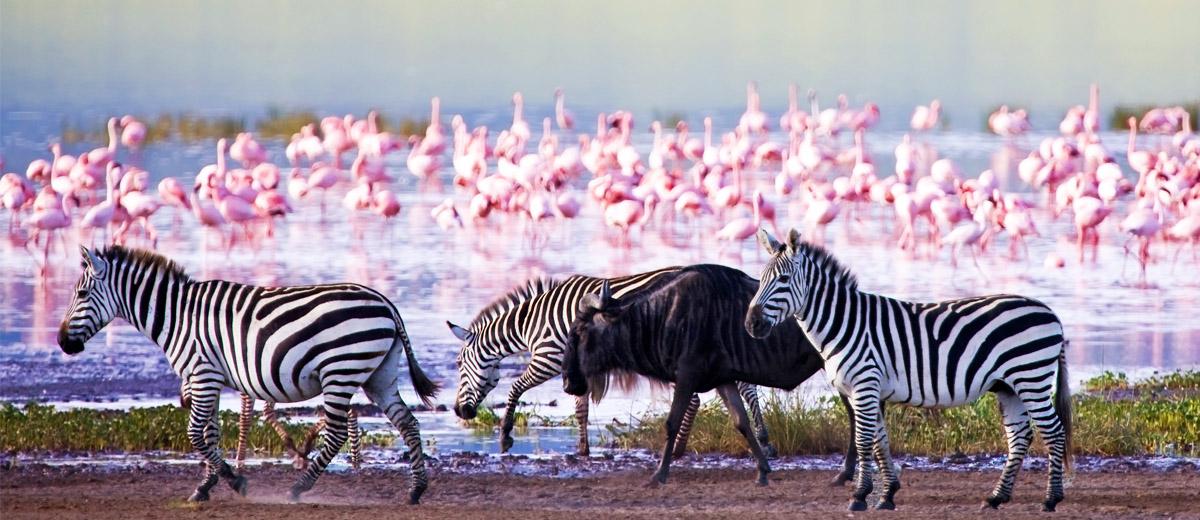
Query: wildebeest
point(688, 331)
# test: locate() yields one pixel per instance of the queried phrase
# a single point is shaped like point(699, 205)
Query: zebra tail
point(1062, 406)
point(426, 388)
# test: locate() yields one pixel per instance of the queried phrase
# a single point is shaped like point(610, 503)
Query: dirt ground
point(151, 490)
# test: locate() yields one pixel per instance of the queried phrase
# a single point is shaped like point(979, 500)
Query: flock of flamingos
point(725, 186)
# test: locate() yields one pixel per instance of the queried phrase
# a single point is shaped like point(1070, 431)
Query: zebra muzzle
point(464, 412)
point(757, 325)
point(67, 343)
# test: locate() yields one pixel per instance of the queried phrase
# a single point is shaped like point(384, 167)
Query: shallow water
point(1114, 321)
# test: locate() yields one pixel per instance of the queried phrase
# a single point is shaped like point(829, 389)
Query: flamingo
point(385, 204)
point(1142, 223)
point(519, 127)
point(434, 142)
point(235, 210)
point(446, 215)
point(15, 193)
point(565, 118)
point(424, 166)
point(247, 151)
point(49, 219)
point(969, 234)
point(206, 213)
point(140, 207)
point(322, 177)
point(1091, 116)
point(1089, 212)
point(101, 215)
point(133, 132)
point(104, 155)
point(269, 205)
point(822, 209)
point(925, 118)
point(624, 214)
point(740, 229)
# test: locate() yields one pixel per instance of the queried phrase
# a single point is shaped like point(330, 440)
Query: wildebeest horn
point(605, 294)
point(597, 301)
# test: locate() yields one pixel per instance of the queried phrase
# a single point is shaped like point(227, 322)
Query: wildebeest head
point(589, 344)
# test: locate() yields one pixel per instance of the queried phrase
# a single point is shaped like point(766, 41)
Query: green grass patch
point(488, 418)
point(42, 428)
point(1112, 416)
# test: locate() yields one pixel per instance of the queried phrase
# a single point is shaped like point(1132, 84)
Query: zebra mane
point(512, 298)
point(823, 259)
point(145, 258)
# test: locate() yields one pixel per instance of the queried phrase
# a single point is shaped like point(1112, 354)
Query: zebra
point(278, 344)
point(939, 354)
point(537, 317)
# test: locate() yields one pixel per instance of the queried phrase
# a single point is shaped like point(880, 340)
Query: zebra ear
point(793, 241)
point(460, 333)
point(768, 242)
point(91, 262)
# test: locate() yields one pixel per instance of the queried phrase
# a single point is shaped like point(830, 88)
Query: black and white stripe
point(536, 317)
point(923, 354)
point(278, 344)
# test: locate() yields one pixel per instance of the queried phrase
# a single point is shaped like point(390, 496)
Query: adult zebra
point(923, 354)
point(278, 344)
point(537, 317)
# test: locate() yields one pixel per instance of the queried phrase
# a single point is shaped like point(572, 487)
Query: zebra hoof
point(886, 505)
point(506, 443)
point(239, 484)
point(294, 498)
point(199, 496)
point(414, 496)
point(1048, 506)
point(857, 505)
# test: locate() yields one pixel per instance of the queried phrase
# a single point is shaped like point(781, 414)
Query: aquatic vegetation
point(487, 419)
point(282, 124)
point(37, 427)
point(1157, 415)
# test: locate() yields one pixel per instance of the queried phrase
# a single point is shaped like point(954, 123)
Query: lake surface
point(75, 67)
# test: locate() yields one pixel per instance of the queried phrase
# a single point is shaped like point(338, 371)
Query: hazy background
point(74, 58)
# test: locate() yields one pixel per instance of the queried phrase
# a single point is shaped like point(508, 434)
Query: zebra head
point(92, 307)
point(478, 373)
point(779, 288)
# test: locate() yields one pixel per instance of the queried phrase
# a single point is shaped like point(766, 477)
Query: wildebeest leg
point(847, 473)
point(733, 401)
point(581, 418)
point(685, 428)
point(679, 404)
point(750, 395)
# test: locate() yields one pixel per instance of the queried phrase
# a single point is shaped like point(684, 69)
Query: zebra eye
point(82, 293)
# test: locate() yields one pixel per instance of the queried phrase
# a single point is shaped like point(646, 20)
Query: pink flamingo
point(1141, 161)
point(564, 117)
point(269, 205)
point(247, 151)
point(172, 193)
point(1089, 213)
point(39, 171)
point(728, 197)
point(102, 156)
point(1091, 116)
point(133, 132)
point(49, 220)
point(235, 210)
point(101, 215)
point(753, 120)
point(519, 127)
point(822, 209)
point(15, 194)
point(434, 142)
point(794, 120)
point(926, 118)
point(62, 165)
point(322, 177)
point(424, 166)
point(969, 234)
point(624, 214)
point(740, 229)
point(1142, 223)
point(385, 204)
point(207, 214)
point(446, 215)
point(140, 207)
point(336, 137)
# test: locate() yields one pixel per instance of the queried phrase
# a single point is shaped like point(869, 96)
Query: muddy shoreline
point(468, 486)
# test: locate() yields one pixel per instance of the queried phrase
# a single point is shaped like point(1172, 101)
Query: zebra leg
point(388, 400)
point(244, 424)
point(299, 461)
point(883, 457)
point(1054, 434)
point(847, 473)
point(581, 418)
point(205, 396)
point(529, 379)
point(750, 395)
point(355, 440)
point(337, 405)
point(733, 401)
point(866, 408)
point(1020, 436)
point(685, 427)
point(679, 404)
